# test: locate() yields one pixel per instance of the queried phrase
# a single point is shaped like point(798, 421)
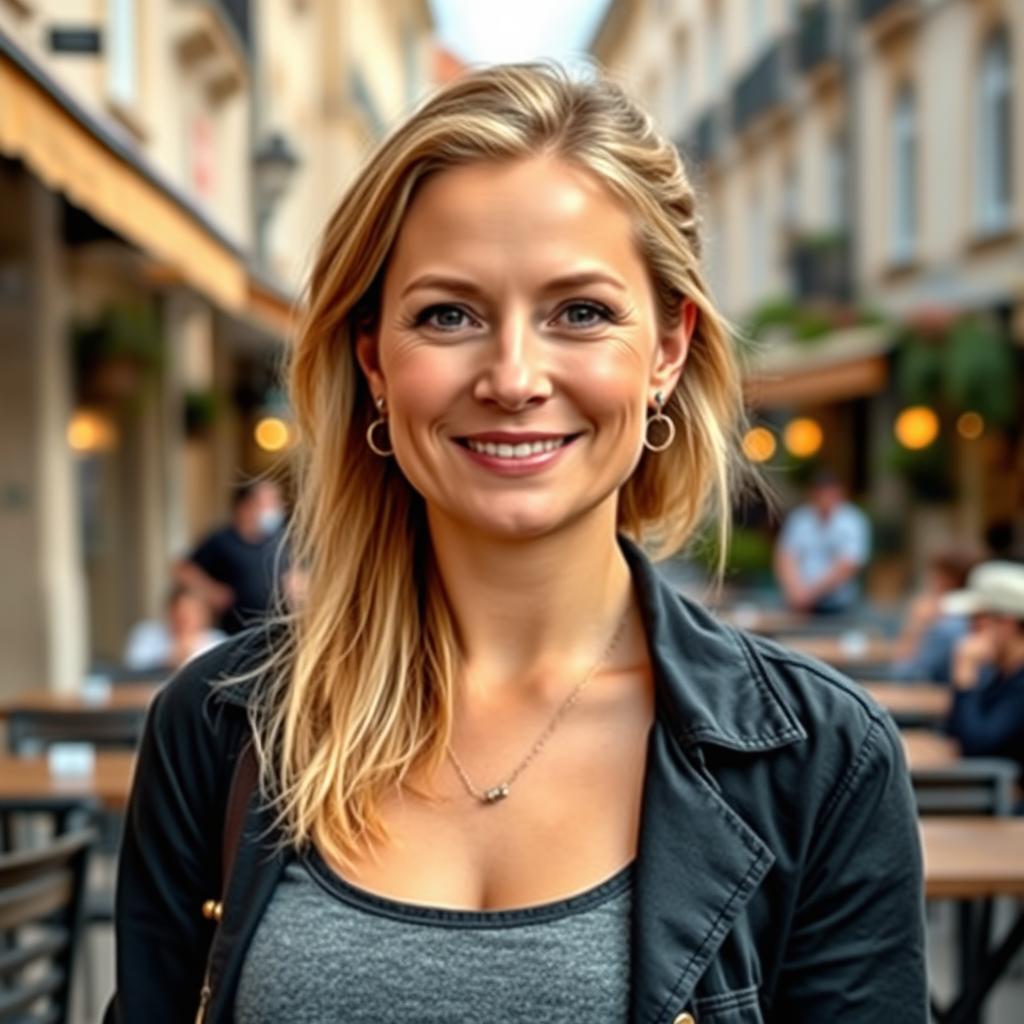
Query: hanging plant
point(201, 411)
point(979, 370)
point(115, 353)
point(964, 363)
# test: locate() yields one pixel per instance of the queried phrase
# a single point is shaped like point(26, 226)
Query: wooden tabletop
point(927, 749)
point(763, 620)
point(122, 697)
point(850, 648)
point(913, 700)
point(968, 858)
point(29, 778)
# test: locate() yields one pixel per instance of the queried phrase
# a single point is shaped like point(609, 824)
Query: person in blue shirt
point(987, 716)
point(823, 547)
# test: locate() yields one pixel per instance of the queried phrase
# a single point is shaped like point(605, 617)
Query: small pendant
point(496, 793)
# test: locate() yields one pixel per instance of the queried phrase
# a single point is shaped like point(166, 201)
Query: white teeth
point(515, 451)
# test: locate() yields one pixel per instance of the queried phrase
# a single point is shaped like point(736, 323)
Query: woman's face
point(518, 348)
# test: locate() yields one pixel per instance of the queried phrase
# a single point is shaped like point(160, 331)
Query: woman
point(169, 643)
point(506, 773)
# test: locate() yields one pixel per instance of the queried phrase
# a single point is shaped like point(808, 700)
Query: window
point(715, 56)
point(835, 183)
point(994, 135)
point(680, 80)
point(903, 183)
point(756, 25)
point(122, 51)
point(791, 197)
point(758, 247)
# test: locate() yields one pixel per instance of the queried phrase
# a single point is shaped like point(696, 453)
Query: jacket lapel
point(698, 862)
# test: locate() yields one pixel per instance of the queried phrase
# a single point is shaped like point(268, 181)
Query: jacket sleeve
point(169, 862)
point(856, 952)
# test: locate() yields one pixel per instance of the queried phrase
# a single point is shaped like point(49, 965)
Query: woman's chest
point(570, 821)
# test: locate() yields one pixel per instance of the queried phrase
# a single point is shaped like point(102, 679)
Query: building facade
point(165, 167)
point(859, 168)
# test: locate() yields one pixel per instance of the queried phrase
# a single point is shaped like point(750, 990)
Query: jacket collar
point(709, 686)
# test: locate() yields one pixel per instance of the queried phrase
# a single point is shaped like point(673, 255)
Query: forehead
point(530, 216)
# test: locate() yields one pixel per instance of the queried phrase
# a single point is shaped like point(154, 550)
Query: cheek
point(422, 385)
point(610, 384)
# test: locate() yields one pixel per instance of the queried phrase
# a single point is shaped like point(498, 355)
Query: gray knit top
point(329, 951)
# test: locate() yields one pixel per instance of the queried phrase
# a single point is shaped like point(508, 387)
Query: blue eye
point(443, 317)
point(586, 314)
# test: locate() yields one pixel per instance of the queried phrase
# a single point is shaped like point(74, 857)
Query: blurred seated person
point(180, 636)
point(924, 650)
point(823, 546)
point(239, 566)
point(988, 665)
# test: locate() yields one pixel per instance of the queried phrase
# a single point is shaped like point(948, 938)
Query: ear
point(673, 348)
point(368, 357)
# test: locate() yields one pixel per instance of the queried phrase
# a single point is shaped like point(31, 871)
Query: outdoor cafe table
point(917, 703)
point(29, 780)
point(927, 749)
point(967, 859)
point(132, 697)
point(849, 650)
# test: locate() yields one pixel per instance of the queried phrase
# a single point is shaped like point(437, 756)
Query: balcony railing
point(821, 267)
point(815, 42)
point(237, 14)
point(762, 87)
point(872, 8)
point(703, 144)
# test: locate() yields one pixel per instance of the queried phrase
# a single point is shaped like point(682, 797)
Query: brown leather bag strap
point(243, 785)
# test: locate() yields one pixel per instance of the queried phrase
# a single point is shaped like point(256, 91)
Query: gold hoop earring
point(665, 423)
point(380, 421)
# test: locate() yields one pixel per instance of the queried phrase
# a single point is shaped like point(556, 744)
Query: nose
point(514, 375)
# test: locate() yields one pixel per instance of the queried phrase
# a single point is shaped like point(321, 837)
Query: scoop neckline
point(426, 913)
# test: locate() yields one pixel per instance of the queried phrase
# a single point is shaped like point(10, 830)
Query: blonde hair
point(360, 692)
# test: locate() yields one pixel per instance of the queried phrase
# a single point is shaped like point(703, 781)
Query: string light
point(916, 427)
point(803, 437)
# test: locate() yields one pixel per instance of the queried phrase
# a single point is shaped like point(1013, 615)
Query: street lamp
point(274, 162)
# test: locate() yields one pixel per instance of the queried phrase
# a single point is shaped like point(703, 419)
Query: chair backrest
point(40, 920)
point(32, 732)
point(982, 785)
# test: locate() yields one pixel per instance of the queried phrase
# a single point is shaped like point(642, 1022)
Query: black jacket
point(778, 873)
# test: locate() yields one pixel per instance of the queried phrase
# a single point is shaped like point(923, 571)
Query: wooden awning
point(846, 364)
point(43, 130)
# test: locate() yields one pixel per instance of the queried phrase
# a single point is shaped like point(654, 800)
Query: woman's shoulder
point(836, 713)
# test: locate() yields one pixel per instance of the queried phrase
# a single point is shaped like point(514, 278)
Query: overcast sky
point(507, 30)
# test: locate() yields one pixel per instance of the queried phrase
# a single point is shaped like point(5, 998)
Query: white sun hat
point(993, 587)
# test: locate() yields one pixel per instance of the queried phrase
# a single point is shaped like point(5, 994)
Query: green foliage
point(966, 365)
point(201, 410)
point(124, 330)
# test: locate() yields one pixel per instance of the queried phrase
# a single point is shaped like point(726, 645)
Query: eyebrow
point(466, 287)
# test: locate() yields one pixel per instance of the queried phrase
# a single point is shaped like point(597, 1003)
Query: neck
point(527, 609)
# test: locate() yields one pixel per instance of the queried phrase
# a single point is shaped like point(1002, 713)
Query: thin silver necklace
point(501, 790)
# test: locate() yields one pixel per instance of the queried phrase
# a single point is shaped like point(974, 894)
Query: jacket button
point(213, 910)
point(685, 1018)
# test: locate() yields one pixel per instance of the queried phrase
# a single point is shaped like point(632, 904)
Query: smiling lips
point(515, 451)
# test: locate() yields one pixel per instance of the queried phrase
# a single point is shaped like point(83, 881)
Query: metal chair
point(31, 732)
point(40, 920)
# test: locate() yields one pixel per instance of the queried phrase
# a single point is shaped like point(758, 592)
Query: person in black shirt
point(988, 665)
point(239, 567)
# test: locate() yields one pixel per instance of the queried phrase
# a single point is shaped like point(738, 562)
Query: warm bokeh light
point(917, 427)
point(970, 425)
point(90, 431)
point(272, 434)
point(803, 437)
point(759, 444)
